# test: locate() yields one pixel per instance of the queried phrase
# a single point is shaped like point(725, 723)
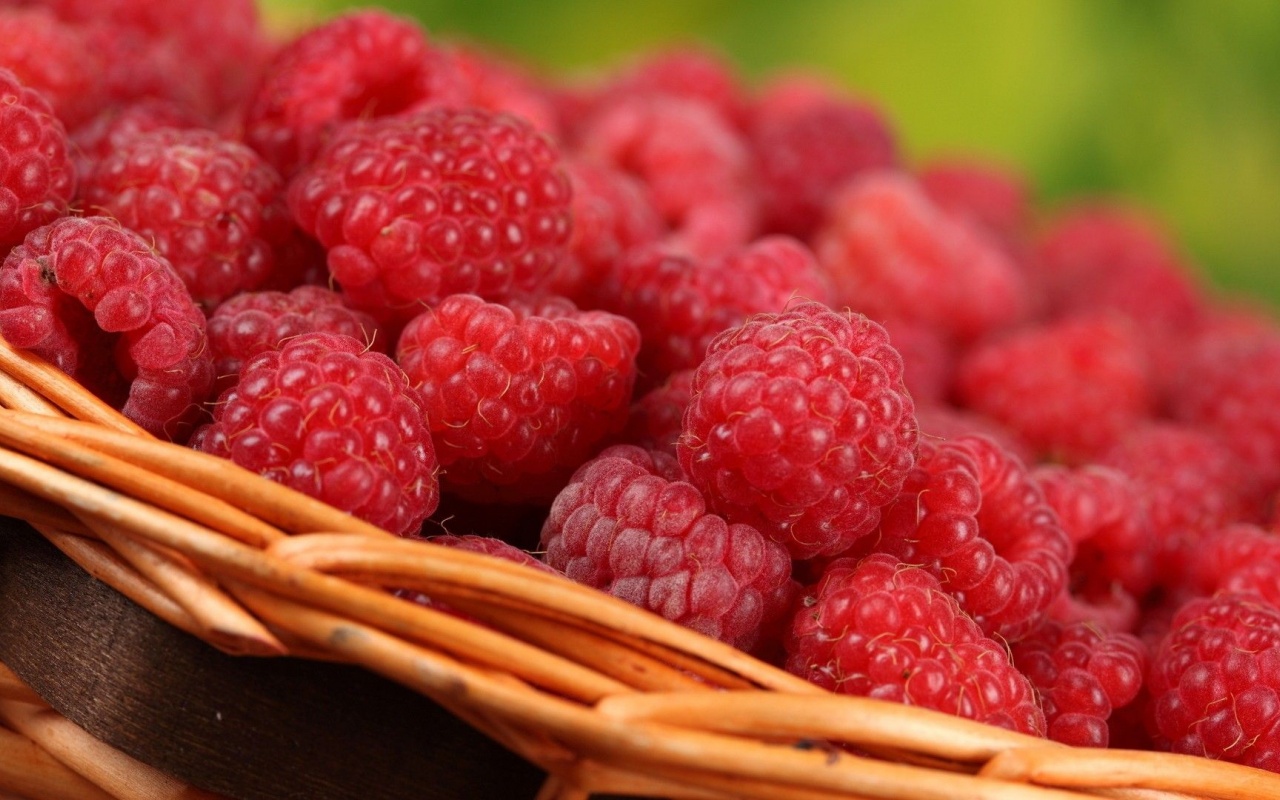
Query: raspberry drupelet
point(628, 524)
point(37, 179)
point(94, 298)
point(517, 396)
point(800, 426)
point(878, 628)
point(479, 205)
point(332, 420)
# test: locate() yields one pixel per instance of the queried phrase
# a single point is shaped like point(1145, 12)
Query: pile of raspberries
point(721, 350)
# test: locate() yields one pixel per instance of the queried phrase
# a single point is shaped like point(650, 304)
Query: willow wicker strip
point(603, 696)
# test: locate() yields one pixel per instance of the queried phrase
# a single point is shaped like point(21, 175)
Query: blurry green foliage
point(1171, 104)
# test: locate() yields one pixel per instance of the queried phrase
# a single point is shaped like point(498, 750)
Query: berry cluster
point(720, 350)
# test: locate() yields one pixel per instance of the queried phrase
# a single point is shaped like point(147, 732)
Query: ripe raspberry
point(480, 205)
point(970, 515)
point(109, 131)
point(518, 396)
point(801, 427)
point(497, 548)
point(361, 64)
point(879, 628)
point(941, 421)
point(807, 142)
point(1106, 607)
point(93, 298)
point(255, 322)
point(210, 205)
point(657, 417)
point(333, 421)
point(37, 180)
point(890, 252)
point(1240, 558)
point(992, 196)
point(1069, 388)
point(691, 73)
point(55, 59)
point(929, 358)
point(681, 303)
point(1215, 682)
point(629, 525)
point(494, 83)
point(1082, 675)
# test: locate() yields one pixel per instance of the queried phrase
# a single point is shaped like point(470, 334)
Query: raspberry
point(109, 131)
point(970, 515)
point(879, 628)
point(929, 356)
point(333, 421)
point(657, 418)
point(940, 422)
point(55, 59)
point(992, 196)
point(1082, 675)
point(496, 84)
point(255, 322)
point(807, 142)
point(801, 427)
point(692, 73)
point(518, 396)
point(37, 180)
point(210, 205)
point(480, 205)
point(361, 64)
point(1106, 607)
point(93, 298)
point(1069, 388)
point(1215, 682)
point(629, 525)
point(497, 548)
point(681, 303)
point(1240, 558)
point(890, 252)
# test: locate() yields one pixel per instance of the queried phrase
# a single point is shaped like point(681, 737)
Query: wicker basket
point(603, 696)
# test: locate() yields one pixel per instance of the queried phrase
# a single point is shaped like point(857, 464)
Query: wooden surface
point(247, 728)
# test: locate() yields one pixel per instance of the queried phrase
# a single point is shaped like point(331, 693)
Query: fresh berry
point(498, 84)
point(891, 252)
point(480, 205)
point(1069, 388)
point(657, 417)
point(992, 196)
point(211, 206)
point(109, 131)
point(37, 180)
point(332, 420)
point(494, 547)
point(628, 524)
point(1240, 558)
point(942, 421)
point(1081, 675)
point(695, 74)
point(1215, 682)
point(54, 58)
point(879, 628)
point(801, 427)
point(929, 358)
point(255, 322)
point(970, 515)
point(95, 299)
point(518, 396)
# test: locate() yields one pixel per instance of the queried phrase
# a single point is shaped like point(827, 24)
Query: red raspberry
point(37, 180)
point(255, 322)
point(993, 196)
point(807, 142)
point(518, 396)
point(1069, 388)
point(629, 525)
point(970, 514)
point(109, 131)
point(55, 59)
point(680, 303)
point(364, 63)
point(1215, 682)
point(657, 417)
point(691, 73)
point(93, 298)
point(879, 628)
point(479, 204)
point(1082, 675)
point(326, 417)
point(892, 253)
point(1106, 607)
point(210, 205)
point(929, 356)
point(1241, 559)
point(941, 421)
point(496, 548)
point(801, 427)
point(494, 83)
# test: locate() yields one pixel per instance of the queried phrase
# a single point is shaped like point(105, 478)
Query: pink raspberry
point(1240, 558)
point(879, 628)
point(1070, 388)
point(255, 322)
point(970, 514)
point(326, 417)
point(1082, 675)
point(37, 180)
point(891, 252)
point(942, 421)
point(109, 131)
point(95, 299)
point(1215, 682)
point(930, 359)
point(629, 525)
point(657, 417)
point(363, 64)
point(800, 426)
point(480, 205)
point(692, 73)
point(496, 548)
point(518, 396)
point(680, 303)
point(54, 58)
point(498, 84)
point(993, 196)
point(211, 206)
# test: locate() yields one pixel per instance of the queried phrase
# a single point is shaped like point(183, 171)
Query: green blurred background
point(1172, 105)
